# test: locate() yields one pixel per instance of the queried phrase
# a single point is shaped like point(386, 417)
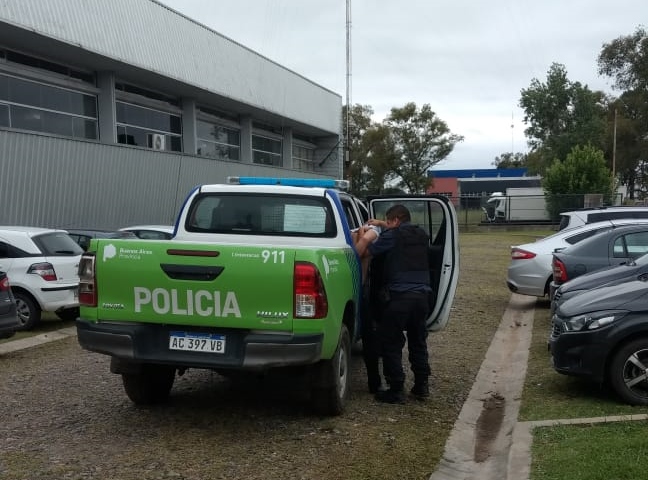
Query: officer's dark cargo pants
point(404, 312)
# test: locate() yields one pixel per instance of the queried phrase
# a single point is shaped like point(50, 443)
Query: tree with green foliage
point(584, 171)
point(625, 59)
point(510, 160)
point(358, 124)
point(381, 159)
point(561, 115)
point(627, 142)
point(420, 140)
point(371, 152)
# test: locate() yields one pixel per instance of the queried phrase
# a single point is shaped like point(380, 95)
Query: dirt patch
point(488, 425)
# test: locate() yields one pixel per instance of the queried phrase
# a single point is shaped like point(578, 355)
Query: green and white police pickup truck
point(260, 274)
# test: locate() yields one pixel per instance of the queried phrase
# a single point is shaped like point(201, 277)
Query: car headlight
point(594, 320)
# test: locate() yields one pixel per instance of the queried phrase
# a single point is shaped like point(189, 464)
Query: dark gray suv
point(602, 334)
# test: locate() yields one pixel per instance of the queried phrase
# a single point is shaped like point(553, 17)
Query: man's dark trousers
point(407, 312)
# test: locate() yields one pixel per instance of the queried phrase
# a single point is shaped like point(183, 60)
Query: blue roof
point(479, 173)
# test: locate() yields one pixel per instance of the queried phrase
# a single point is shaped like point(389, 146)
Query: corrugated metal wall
point(55, 182)
point(147, 34)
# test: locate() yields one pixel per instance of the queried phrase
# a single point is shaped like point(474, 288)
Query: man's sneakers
point(375, 384)
point(390, 396)
point(420, 391)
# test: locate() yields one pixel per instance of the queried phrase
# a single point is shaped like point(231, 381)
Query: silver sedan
point(530, 270)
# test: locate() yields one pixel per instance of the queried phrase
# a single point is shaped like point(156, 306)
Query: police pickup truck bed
point(257, 276)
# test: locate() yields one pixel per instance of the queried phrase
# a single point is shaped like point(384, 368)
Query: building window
point(38, 107)
point(143, 92)
point(218, 141)
point(266, 151)
point(34, 62)
point(303, 158)
point(149, 128)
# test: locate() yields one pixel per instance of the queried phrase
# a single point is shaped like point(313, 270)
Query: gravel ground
point(64, 416)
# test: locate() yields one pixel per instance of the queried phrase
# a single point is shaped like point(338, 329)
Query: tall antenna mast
point(348, 80)
point(512, 136)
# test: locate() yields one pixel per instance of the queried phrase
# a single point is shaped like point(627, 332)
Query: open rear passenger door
point(437, 216)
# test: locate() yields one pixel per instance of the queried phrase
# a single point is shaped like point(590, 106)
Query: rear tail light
point(559, 271)
point(4, 284)
point(44, 270)
point(521, 254)
point(87, 281)
point(310, 296)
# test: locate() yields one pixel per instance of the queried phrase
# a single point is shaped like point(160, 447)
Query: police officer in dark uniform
point(405, 302)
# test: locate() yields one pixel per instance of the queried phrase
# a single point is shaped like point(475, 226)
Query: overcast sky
point(468, 59)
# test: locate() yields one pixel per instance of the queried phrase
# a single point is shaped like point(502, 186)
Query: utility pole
point(512, 136)
point(347, 147)
point(614, 145)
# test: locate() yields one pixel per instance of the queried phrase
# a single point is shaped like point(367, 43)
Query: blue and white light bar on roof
point(291, 182)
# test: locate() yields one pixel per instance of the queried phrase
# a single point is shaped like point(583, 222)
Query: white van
point(599, 214)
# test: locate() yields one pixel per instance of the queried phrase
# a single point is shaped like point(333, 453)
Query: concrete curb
point(501, 376)
point(15, 345)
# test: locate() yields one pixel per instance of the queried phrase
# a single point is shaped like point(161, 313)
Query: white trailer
point(517, 205)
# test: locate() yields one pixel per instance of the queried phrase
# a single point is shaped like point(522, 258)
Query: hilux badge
point(267, 314)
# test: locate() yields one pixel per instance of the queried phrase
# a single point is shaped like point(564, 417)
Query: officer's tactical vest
point(408, 262)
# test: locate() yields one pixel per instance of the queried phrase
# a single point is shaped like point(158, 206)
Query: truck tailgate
point(167, 282)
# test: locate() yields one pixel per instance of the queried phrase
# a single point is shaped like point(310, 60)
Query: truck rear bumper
point(143, 343)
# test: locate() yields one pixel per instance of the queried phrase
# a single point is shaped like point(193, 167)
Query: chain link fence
point(527, 210)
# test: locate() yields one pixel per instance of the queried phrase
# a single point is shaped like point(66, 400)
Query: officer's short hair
point(398, 211)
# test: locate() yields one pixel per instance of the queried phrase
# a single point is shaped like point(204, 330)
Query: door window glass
point(636, 244)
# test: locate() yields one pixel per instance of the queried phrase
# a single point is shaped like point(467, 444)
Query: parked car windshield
point(57, 244)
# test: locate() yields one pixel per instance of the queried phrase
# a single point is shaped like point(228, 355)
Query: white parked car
point(151, 232)
point(600, 214)
point(530, 270)
point(42, 264)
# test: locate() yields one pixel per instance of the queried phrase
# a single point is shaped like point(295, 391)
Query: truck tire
point(330, 390)
point(150, 385)
point(628, 372)
point(28, 310)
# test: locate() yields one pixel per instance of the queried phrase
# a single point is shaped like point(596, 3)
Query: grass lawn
point(606, 451)
point(610, 451)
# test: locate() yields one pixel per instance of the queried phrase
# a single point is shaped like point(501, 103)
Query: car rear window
point(599, 216)
point(583, 235)
point(564, 222)
point(57, 244)
point(259, 214)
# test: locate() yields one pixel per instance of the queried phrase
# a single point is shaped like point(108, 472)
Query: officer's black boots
point(420, 390)
point(395, 394)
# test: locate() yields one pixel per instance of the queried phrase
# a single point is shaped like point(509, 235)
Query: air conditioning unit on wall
point(157, 141)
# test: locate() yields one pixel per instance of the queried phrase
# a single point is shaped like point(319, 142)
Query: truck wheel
point(28, 310)
point(150, 385)
point(628, 372)
point(331, 381)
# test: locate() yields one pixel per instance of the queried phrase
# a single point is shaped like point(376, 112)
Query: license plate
point(197, 342)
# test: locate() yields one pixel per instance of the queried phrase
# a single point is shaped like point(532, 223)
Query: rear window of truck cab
point(261, 214)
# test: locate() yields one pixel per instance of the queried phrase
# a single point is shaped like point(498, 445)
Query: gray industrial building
point(112, 111)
